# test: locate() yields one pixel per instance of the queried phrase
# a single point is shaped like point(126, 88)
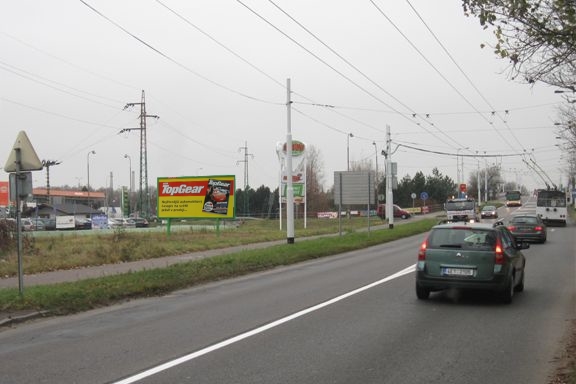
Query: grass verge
point(67, 298)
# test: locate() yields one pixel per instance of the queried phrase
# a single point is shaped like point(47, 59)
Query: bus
point(551, 206)
point(513, 199)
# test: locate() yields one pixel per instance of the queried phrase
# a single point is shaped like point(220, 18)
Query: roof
point(68, 193)
point(64, 209)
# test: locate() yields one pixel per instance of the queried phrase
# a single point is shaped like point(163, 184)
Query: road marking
point(264, 328)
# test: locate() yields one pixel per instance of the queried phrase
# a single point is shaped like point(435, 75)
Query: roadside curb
point(11, 319)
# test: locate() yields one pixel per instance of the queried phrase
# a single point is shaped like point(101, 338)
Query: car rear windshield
point(464, 238)
point(525, 220)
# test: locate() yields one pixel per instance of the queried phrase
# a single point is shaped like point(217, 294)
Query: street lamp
point(376, 175)
point(348, 149)
point(126, 156)
point(88, 172)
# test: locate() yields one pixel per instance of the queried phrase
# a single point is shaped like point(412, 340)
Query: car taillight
point(511, 228)
point(538, 228)
point(422, 251)
point(499, 253)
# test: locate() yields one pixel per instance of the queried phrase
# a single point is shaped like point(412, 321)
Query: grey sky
point(215, 71)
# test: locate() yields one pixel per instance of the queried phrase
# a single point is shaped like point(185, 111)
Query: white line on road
point(235, 339)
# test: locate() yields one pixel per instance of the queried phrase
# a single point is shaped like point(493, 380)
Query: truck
point(462, 210)
point(513, 199)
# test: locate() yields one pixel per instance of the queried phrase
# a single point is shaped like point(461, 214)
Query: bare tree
point(537, 36)
point(316, 198)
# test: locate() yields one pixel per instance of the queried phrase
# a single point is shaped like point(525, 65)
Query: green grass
point(66, 298)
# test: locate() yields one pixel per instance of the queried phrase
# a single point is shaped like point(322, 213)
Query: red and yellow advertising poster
point(4, 194)
point(196, 197)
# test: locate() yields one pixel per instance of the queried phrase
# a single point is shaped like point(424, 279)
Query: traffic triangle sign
point(29, 160)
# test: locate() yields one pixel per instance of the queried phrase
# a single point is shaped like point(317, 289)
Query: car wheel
point(404, 216)
point(508, 292)
point(543, 241)
point(422, 293)
point(520, 286)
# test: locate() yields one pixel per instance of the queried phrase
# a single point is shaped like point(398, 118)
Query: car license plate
point(458, 272)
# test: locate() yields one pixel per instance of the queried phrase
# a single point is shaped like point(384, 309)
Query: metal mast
point(47, 164)
point(245, 161)
point(143, 192)
point(246, 183)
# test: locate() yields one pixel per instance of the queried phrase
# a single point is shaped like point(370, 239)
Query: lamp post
point(376, 174)
point(126, 156)
point(348, 149)
point(88, 174)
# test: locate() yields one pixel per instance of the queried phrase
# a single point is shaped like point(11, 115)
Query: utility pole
point(289, 185)
point(47, 164)
point(246, 183)
point(143, 192)
point(389, 195)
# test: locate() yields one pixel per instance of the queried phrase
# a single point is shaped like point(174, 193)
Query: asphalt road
point(351, 318)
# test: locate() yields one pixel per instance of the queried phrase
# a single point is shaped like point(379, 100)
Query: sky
point(214, 76)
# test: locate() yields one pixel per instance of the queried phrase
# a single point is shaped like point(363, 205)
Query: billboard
point(298, 170)
point(196, 197)
point(4, 194)
point(354, 187)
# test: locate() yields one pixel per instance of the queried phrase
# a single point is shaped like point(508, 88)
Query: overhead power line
point(175, 61)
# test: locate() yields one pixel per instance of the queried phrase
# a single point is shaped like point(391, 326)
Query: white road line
point(235, 339)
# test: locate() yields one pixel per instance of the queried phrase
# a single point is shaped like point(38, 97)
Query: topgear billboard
point(196, 197)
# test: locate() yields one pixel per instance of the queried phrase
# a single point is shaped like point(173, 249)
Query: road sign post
point(22, 158)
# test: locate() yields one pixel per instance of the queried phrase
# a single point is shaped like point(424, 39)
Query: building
point(68, 197)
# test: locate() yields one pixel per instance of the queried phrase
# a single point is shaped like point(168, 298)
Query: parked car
point(49, 224)
point(26, 224)
point(82, 223)
point(528, 227)
point(121, 223)
point(38, 224)
point(489, 211)
point(140, 222)
point(471, 256)
point(398, 212)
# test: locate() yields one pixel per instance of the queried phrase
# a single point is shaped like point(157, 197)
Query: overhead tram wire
point(432, 65)
point(239, 93)
point(235, 54)
point(220, 44)
point(310, 101)
point(412, 112)
point(341, 57)
point(341, 74)
point(467, 78)
point(421, 54)
point(478, 155)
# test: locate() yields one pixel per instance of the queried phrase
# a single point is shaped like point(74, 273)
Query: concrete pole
point(289, 186)
point(389, 195)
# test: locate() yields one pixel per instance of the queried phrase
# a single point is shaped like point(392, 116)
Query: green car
point(471, 256)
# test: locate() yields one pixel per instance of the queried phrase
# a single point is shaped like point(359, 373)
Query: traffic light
point(125, 202)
